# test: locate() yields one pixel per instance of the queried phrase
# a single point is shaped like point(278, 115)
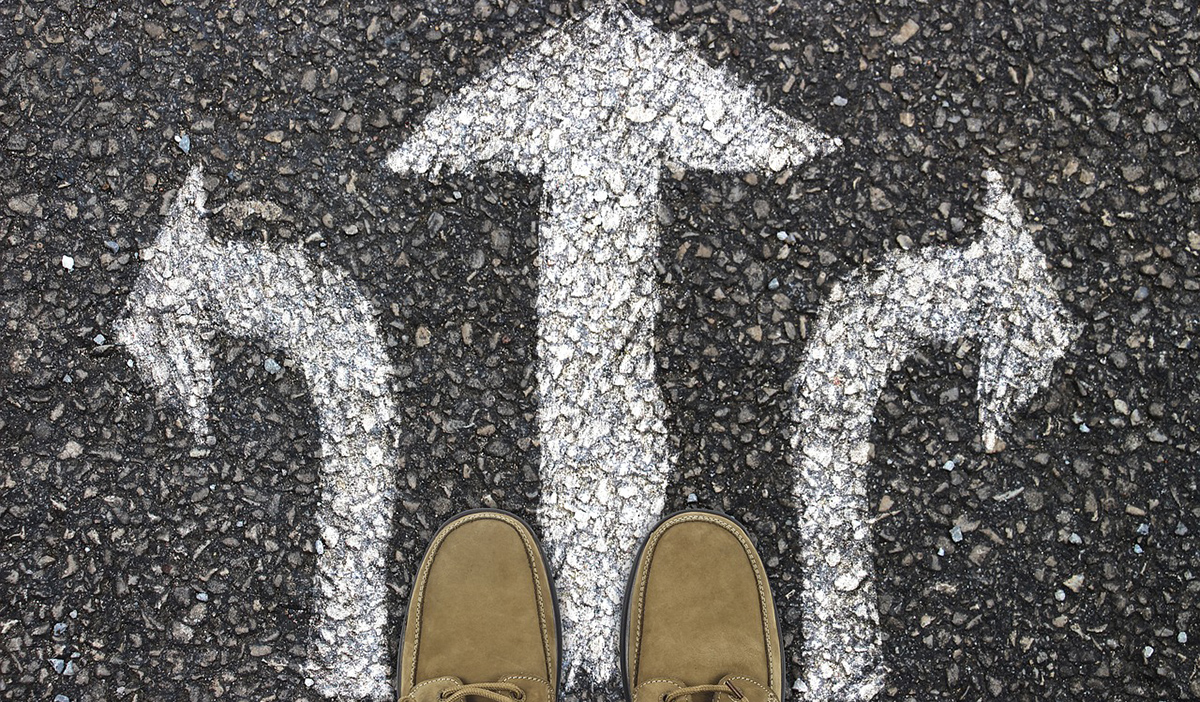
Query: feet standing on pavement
point(699, 617)
point(482, 619)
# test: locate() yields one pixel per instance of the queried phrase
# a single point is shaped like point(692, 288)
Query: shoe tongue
point(431, 690)
point(751, 690)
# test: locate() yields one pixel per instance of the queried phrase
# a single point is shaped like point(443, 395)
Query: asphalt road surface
point(143, 560)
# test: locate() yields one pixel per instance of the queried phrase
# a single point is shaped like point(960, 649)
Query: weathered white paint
point(995, 290)
point(596, 108)
point(190, 288)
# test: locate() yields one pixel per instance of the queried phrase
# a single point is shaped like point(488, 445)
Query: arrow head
point(613, 87)
point(1027, 328)
point(165, 324)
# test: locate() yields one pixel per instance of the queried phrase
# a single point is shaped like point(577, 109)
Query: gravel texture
point(141, 564)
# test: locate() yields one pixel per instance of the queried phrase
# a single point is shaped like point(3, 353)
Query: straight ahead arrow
point(597, 109)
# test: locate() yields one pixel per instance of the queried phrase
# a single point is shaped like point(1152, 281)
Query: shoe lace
point(726, 687)
point(495, 691)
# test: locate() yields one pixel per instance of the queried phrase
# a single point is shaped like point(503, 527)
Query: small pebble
point(956, 534)
point(272, 366)
point(68, 263)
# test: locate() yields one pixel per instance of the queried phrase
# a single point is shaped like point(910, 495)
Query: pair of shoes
point(483, 618)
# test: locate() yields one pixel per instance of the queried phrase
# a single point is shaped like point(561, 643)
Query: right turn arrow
point(996, 290)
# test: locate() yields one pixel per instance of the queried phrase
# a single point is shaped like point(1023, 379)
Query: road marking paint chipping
point(597, 109)
point(189, 288)
point(996, 290)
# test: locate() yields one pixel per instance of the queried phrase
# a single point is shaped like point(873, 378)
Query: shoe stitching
point(531, 553)
point(644, 575)
point(549, 694)
point(420, 685)
point(523, 677)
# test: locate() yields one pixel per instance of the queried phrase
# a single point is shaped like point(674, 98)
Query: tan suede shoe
point(700, 623)
point(482, 617)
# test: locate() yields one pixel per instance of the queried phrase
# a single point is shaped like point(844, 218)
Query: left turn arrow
point(191, 288)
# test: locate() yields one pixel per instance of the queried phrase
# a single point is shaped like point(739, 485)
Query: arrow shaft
point(858, 340)
point(843, 660)
point(330, 329)
point(604, 454)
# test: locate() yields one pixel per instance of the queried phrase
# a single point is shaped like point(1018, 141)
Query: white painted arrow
point(996, 290)
point(190, 288)
point(596, 108)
